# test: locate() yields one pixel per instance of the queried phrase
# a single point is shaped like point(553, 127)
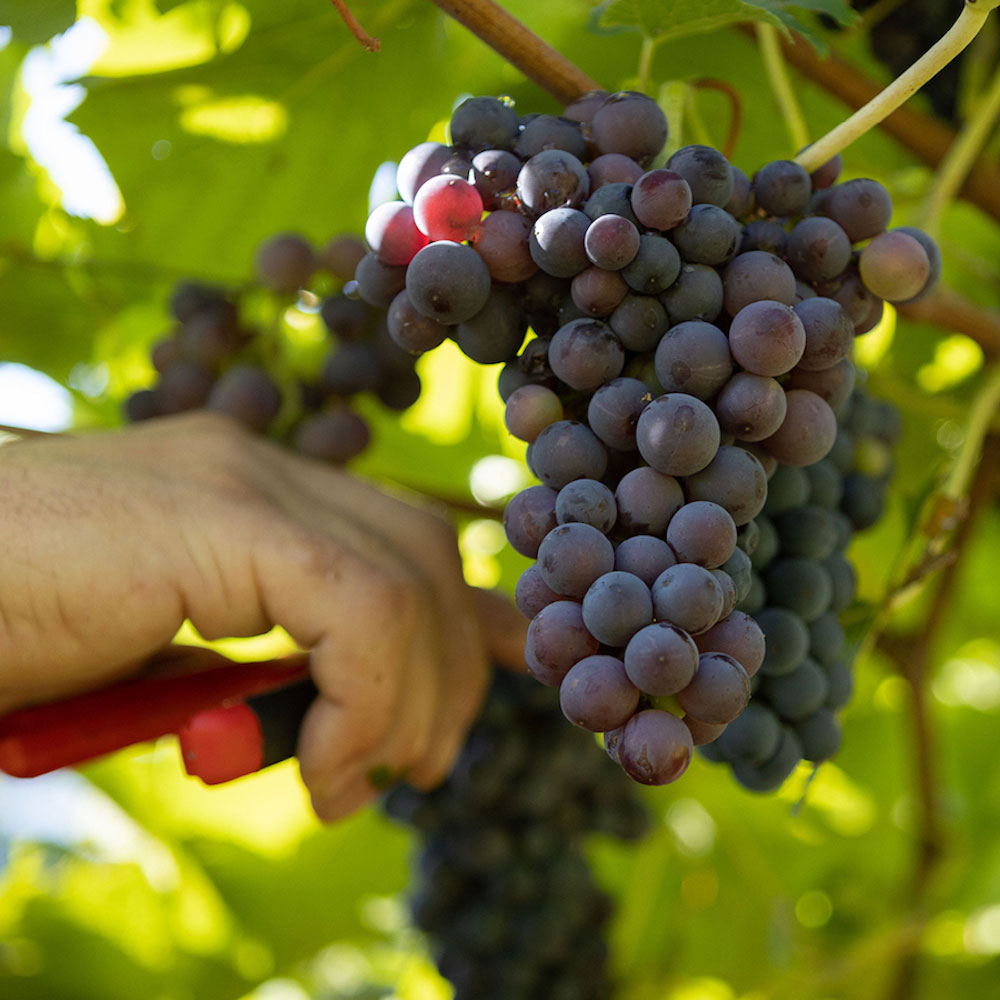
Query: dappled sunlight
point(971, 678)
point(443, 414)
point(480, 542)
point(247, 119)
point(956, 358)
point(870, 349)
point(143, 40)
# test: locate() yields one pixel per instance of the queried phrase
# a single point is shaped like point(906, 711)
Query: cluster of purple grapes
point(504, 892)
point(214, 359)
point(693, 333)
point(800, 582)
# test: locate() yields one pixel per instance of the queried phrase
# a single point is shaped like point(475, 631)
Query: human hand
point(113, 539)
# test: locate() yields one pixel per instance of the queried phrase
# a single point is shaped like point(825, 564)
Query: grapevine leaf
point(36, 21)
point(666, 19)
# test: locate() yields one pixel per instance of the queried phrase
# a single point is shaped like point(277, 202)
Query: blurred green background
point(147, 140)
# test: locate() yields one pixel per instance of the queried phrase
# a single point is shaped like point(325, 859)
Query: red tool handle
point(59, 734)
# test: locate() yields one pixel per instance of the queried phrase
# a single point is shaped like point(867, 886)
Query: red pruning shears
point(231, 718)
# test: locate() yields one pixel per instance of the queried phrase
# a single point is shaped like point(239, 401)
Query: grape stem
point(912, 655)
point(972, 18)
point(735, 110)
point(781, 85)
point(926, 137)
point(521, 47)
point(369, 43)
point(956, 165)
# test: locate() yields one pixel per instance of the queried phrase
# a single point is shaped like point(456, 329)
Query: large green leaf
point(36, 21)
point(666, 19)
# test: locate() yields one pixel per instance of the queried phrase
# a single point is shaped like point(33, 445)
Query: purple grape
point(661, 199)
point(829, 333)
point(677, 434)
point(894, 266)
point(834, 385)
point(612, 242)
point(645, 556)
point(448, 282)
point(751, 407)
point(703, 733)
point(808, 431)
point(484, 123)
point(656, 266)
point(766, 235)
point(613, 168)
point(411, 330)
point(818, 249)
point(351, 368)
point(530, 409)
point(734, 480)
point(336, 435)
point(693, 357)
point(614, 410)
point(285, 263)
point(862, 207)
point(557, 638)
point(585, 354)
point(767, 338)
point(588, 502)
point(616, 606)
point(639, 322)
point(185, 385)
point(494, 172)
point(782, 188)
point(597, 292)
point(379, 283)
point(646, 500)
point(719, 691)
point(611, 199)
point(629, 123)
point(550, 132)
point(392, 234)
point(687, 596)
point(529, 517)
point(572, 556)
point(696, 294)
point(738, 636)
point(597, 695)
point(753, 737)
point(707, 172)
point(552, 179)
point(585, 107)
point(502, 242)
point(709, 235)
point(754, 275)
point(655, 747)
point(248, 394)
point(703, 533)
point(495, 333)
point(556, 243)
point(532, 593)
point(661, 659)
point(420, 164)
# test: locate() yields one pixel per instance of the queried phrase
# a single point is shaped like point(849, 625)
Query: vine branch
point(521, 47)
point(922, 135)
point(961, 156)
point(913, 657)
point(781, 85)
point(946, 308)
point(972, 18)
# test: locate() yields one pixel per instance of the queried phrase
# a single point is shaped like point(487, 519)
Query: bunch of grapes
point(693, 331)
point(214, 359)
point(801, 581)
point(504, 892)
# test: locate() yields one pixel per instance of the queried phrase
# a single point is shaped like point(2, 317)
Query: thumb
point(504, 629)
